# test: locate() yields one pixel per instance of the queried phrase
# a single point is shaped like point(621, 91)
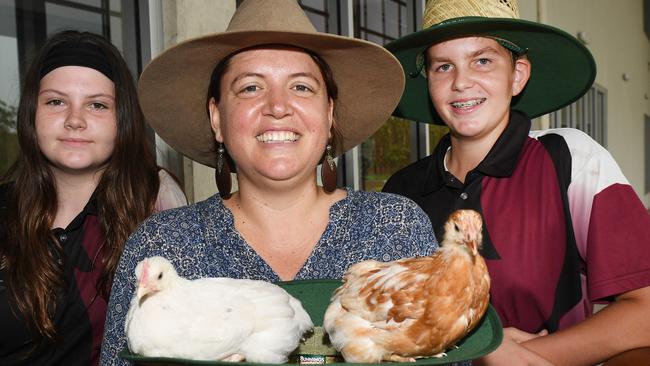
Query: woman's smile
point(272, 137)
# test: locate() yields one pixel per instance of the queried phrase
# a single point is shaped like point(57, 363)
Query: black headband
point(73, 53)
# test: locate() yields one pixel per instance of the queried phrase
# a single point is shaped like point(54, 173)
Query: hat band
point(73, 53)
point(510, 46)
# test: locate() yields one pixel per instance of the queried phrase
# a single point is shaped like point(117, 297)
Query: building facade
point(616, 111)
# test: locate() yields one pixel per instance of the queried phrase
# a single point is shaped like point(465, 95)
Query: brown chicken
point(414, 307)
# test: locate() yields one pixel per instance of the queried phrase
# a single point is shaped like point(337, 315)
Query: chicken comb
point(144, 276)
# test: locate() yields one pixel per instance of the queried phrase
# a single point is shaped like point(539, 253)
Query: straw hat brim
point(173, 87)
point(562, 68)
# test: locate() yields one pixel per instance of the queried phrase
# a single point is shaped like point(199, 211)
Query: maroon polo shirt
point(80, 312)
point(535, 194)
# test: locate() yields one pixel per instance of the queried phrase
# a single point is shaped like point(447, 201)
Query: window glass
point(314, 4)
point(323, 14)
point(393, 25)
point(116, 5)
point(385, 152)
point(436, 132)
point(116, 32)
point(10, 85)
point(371, 17)
point(93, 3)
point(61, 17)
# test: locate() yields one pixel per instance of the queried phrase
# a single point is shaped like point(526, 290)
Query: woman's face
point(76, 123)
point(274, 115)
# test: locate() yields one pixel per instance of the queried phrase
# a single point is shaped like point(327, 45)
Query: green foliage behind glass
point(435, 134)
point(387, 151)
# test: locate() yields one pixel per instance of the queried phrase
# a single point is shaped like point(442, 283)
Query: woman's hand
point(512, 352)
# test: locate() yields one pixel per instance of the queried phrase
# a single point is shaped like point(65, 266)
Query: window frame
point(588, 114)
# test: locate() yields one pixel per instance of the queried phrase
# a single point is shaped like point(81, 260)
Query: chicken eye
point(456, 228)
point(160, 276)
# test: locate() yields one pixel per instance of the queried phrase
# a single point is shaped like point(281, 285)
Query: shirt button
point(63, 238)
point(463, 195)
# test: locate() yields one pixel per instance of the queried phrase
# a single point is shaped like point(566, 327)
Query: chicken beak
point(144, 291)
point(141, 291)
point(472, 243)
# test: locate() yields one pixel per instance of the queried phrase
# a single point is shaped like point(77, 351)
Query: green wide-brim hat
point(562, 70)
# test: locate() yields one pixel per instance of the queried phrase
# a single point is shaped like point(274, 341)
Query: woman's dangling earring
point(328, 170)
point(222, 173)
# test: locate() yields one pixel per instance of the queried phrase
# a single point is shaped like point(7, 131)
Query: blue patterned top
point(201, 241)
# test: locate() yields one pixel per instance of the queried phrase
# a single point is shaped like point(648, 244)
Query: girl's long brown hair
point(125, 195)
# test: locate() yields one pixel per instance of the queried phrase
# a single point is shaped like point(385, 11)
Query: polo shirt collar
point(500, 161)
point(89, 209)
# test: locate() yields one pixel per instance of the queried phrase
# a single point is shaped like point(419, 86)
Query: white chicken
point(413, 307)
point(211, 318)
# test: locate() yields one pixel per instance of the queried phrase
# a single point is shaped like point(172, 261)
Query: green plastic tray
point(315, 296)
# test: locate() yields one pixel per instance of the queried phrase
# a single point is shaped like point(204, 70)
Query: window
point(588, 114)
point(383, 21)
point(24, 26)
point(436, 132)
point(323, 14)
point(399, 141)
point(9, 87)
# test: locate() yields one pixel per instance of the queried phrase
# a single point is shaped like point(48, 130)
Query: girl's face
point(274, 115)
point(76, 124)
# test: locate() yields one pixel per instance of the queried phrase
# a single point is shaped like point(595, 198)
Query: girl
point(84, 179)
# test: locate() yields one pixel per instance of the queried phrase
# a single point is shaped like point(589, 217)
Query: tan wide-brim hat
point(174, 86)
point(562, 71)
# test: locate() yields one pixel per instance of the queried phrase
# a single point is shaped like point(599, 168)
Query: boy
point(563, 228)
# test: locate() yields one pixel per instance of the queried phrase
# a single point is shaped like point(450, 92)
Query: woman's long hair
point(125, 195)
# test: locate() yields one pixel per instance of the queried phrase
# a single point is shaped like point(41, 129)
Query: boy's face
point(471, 82)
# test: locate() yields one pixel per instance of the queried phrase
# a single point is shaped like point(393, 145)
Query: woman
point(277, 93)
point(71, 199)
